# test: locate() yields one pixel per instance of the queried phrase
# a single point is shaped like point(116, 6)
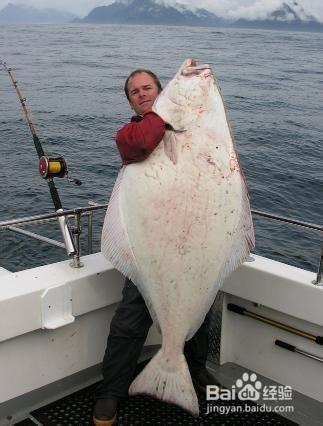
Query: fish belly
point(180, 219)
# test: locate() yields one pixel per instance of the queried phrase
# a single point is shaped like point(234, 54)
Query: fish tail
point(167, 379)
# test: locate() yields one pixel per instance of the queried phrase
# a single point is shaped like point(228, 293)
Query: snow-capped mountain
point(289, 16)
point(151, 12)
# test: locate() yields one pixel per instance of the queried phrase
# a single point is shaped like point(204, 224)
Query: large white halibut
point(179, 222)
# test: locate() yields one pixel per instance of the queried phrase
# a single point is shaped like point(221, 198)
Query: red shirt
point(137, 140)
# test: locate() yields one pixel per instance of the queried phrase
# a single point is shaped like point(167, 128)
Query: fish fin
point(115, 244)
point(244, 240)
point(238, 253)
point(168, 380)
point(170, 145)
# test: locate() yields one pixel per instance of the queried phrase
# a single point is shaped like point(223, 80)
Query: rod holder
point(66, 233)
point(76, 263)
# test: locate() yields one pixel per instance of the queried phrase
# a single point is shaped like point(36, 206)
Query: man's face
point(142, 91)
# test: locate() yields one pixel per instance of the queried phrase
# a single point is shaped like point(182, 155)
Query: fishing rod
point(292, 348)
point(242, 311)
point(49, 168)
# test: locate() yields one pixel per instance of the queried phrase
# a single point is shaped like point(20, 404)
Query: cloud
point(256, 10)
point(251, 9)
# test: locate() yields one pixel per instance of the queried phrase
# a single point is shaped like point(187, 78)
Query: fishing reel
point(50, 167)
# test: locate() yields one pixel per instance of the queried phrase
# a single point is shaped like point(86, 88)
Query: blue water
point(73, 76)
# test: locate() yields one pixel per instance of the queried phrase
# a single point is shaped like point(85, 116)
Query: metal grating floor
point(76, 410)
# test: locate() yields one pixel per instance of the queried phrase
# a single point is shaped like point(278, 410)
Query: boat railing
point(15, 224)
point(77, 213)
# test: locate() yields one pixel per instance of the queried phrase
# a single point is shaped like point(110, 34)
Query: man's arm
point(137, 140)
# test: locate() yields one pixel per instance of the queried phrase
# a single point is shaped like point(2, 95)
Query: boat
point(267, 339)
point(266, 333)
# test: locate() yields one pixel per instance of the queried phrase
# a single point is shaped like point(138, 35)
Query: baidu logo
point(249, 387)
point(246, 388)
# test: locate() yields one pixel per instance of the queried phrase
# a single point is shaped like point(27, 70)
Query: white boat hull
point(41, 346)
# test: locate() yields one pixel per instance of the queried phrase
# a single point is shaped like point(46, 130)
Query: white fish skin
point(178, 223)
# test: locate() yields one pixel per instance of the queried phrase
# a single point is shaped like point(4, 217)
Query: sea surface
point(72, 77)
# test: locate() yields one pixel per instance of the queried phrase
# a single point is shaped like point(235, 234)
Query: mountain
point(22, 13)
point(150, 12)
point(289, 16)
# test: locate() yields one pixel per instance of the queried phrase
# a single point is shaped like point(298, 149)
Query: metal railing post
point(318, 280)
point(76, 263)
point(89, 232)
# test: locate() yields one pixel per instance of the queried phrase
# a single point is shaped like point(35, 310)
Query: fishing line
point(49, 167)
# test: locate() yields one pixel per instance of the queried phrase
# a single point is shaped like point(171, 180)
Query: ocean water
point(73, 76)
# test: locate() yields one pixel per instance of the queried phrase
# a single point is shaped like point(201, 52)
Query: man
point(131, 322)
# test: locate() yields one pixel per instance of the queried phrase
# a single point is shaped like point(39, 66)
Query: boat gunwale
point(88, 210)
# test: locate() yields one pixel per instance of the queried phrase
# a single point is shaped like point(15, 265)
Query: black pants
point(128, 331)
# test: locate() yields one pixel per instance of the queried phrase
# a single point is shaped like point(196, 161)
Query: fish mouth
point(197, 71)
point(192, 68)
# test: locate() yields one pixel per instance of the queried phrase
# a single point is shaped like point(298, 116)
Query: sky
point(227, 8)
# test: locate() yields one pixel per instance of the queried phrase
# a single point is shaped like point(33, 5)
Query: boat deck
point(76, 409)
